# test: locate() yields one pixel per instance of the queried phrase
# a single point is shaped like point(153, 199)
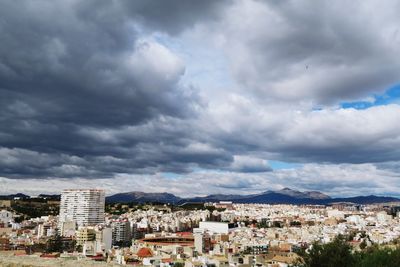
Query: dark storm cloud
point(248, 164)
point(98, 89)
point(176, 15)
point(68, 66)
point(67, 62)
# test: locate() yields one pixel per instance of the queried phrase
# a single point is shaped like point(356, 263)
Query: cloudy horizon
point(200, 97)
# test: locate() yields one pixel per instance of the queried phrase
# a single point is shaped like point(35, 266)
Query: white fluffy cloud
point(333, 135)
point(154, 66)
point(335, 180)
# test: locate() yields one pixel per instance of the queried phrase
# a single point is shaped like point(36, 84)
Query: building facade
point(121, 231)
point(82, 206)
point(6, 216)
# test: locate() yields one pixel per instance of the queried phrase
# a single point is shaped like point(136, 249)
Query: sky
point(200, 97)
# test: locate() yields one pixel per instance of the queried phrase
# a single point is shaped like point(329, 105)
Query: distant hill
point(141, 197)
point(23, 196)
point(366, 199)
point(284, 196)
point(12, 196)
point(298, 194)
point(317, 195)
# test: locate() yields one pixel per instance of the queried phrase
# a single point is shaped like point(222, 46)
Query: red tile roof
point(145, 253)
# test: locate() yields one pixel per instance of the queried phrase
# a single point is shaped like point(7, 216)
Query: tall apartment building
point(82, 206)
point(121, 231)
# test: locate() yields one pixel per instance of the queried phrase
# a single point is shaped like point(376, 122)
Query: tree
point(339, 253)
point(54, 244)
point(78, 248)
point(334, 254)
point(179, 264)
point(376, 257)
point(363, 244)
point(277, 224)
point(295, 223)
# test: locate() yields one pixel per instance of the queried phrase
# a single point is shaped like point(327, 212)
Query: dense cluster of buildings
point(223, 234)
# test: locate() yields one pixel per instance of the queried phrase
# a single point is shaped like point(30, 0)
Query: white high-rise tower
point(82, 206)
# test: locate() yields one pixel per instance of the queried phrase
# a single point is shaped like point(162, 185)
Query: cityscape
point(89, 232)
point(200, 133)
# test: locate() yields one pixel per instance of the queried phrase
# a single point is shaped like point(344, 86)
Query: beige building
point(84, 235)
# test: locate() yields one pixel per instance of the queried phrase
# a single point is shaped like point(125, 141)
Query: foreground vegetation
point(340, 253)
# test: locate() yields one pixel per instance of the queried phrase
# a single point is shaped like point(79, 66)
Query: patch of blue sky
point(279, 165)
point(391, 96)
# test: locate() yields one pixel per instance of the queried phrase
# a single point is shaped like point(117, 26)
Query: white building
point(202, 240)
point(215, 227)
point(6, 216)
point(82, 206)
point(67, 228)
point(43, 229)
point(337, 214)
point(104, 237)
point(383, 218)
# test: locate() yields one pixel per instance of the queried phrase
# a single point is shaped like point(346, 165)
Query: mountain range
point(283, 196)
point(141, 197)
